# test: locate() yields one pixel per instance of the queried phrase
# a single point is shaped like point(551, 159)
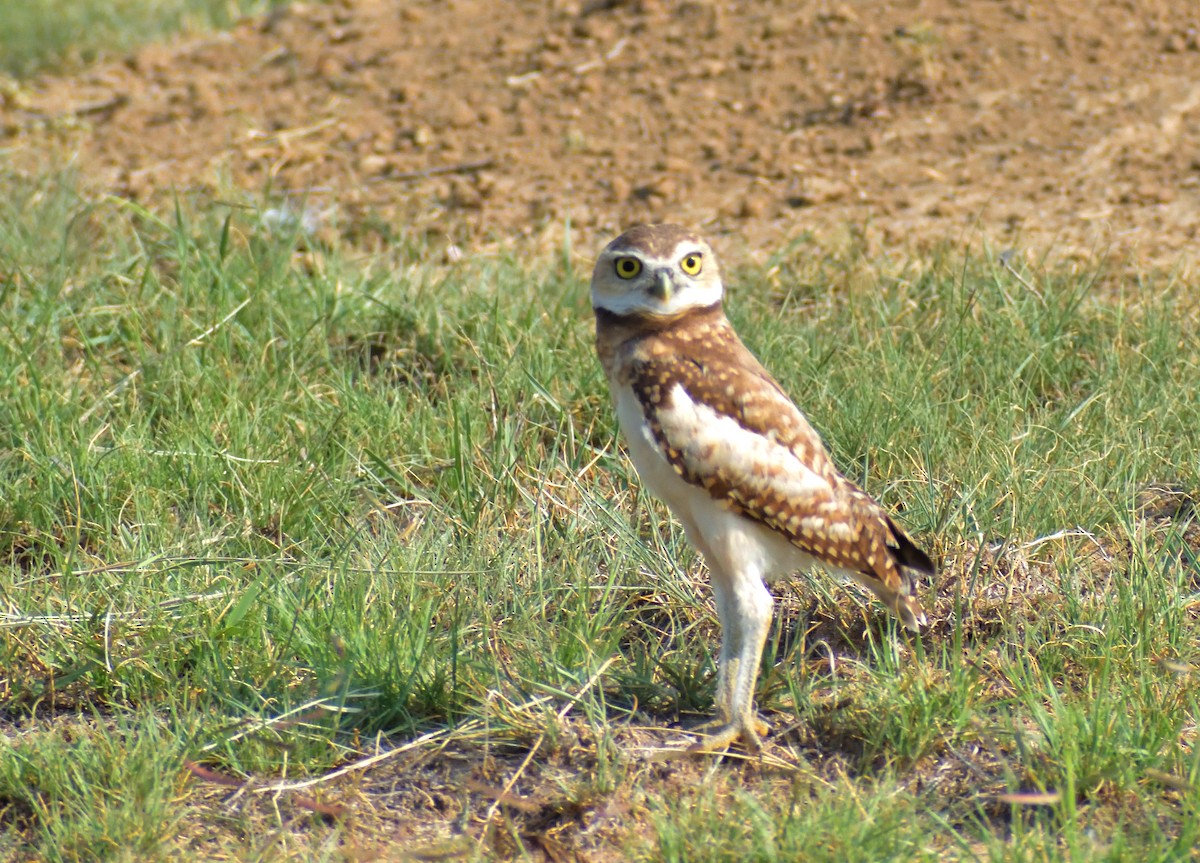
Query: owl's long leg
point(744, 607)
point(731, 642)
point(730, 624)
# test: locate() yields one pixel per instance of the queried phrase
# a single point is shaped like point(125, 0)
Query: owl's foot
point(749, 729)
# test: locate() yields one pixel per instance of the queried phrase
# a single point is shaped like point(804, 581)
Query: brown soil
point(1071, 127)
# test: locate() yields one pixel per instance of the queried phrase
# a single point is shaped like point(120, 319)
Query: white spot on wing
point(747, 457)
point(840, 530)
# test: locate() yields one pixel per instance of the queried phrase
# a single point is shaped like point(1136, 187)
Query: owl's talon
point(749, 729)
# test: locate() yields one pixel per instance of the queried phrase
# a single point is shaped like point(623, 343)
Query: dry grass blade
point(441, 737)
point(510, 800)
point(1030, 798)
point(1171, 780)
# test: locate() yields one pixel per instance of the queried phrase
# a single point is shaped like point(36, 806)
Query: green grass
point(35, 35)
point(265, 506)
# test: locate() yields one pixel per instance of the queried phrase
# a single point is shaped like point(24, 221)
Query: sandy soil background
point(1070, 127)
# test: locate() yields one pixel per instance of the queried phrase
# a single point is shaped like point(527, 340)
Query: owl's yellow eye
point(627, 268)
point(692, 264)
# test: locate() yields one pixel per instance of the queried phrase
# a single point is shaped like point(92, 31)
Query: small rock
point(460, 114)
point(752, 207)
point(374, 164)
point(464, 195)
point(817, 190)
point(490, 115)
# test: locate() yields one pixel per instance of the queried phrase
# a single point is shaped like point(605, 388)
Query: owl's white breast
point(652, 465)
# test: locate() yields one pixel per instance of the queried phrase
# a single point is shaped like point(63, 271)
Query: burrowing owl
point(713, 435)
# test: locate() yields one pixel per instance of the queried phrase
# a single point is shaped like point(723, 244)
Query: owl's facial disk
point(660, 271)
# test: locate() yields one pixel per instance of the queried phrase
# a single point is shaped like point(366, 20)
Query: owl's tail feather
point(906, 553)
point(905, 604)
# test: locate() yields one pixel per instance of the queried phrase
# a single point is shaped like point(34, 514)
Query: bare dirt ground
point(1068, 127)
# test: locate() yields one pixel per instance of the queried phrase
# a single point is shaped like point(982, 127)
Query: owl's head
point(656, 270)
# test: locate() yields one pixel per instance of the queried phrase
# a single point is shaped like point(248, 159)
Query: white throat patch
point(634, 302)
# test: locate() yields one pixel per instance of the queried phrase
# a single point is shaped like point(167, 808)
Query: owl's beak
point(663, 287)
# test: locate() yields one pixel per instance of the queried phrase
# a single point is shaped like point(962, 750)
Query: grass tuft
point(57, 32)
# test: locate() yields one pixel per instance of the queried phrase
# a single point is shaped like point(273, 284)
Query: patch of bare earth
point(1068, 127)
